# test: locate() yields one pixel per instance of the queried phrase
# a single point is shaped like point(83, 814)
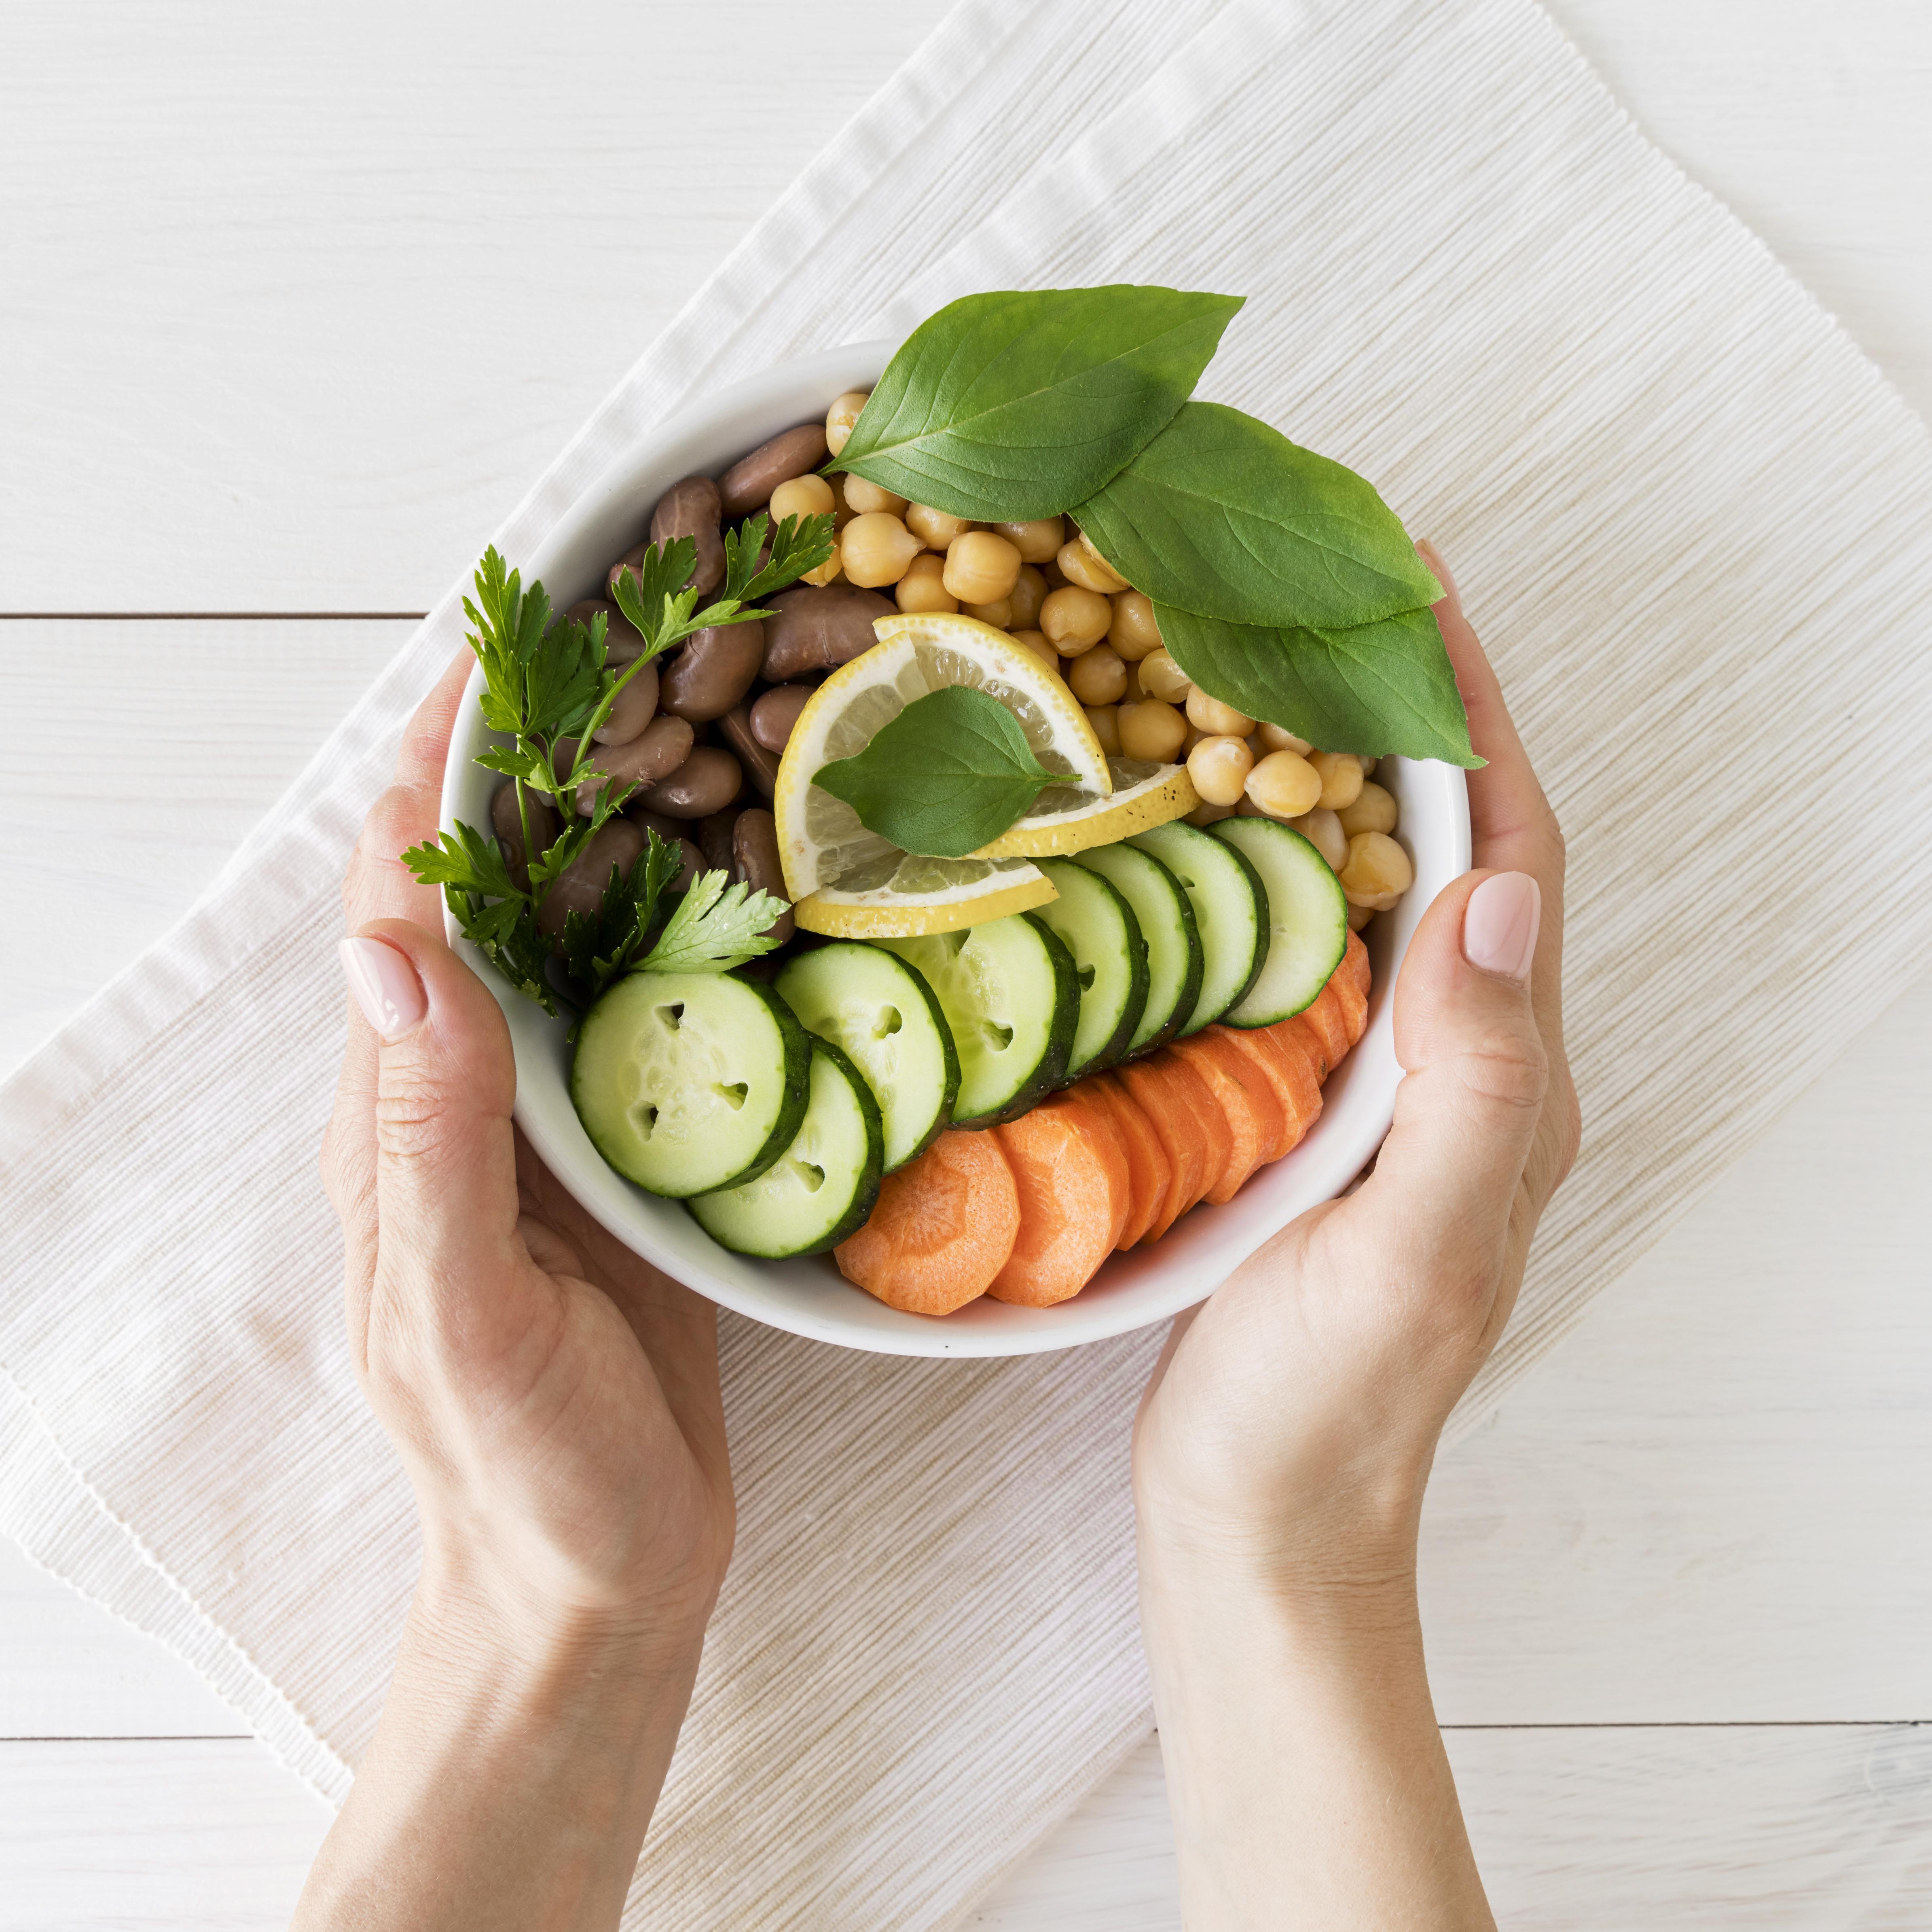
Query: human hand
point(555, 1401)
point(1290, 1424)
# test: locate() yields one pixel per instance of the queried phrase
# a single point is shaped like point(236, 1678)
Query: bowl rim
point(1154, 1285)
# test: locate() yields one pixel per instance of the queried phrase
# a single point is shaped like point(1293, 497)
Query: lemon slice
point(844, 879)
point(1068, 819)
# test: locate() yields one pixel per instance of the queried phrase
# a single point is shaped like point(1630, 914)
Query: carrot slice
point(1349, 982)
point(1185, 1146)
point(943, 1227)
point(1189, 1093)
point(1290, 1051)
point(1254, 1118)
point(1355, 964)
point(1149, 1169)
point(1099, 1111)
point(1069, 1171)
point(1288, 1096)
point(1325, 1018)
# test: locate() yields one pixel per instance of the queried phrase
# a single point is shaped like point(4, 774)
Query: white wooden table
point(296, 301)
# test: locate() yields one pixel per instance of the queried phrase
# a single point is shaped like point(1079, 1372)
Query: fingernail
point(1499, 924)
point(385, 985)
point(1430, 555)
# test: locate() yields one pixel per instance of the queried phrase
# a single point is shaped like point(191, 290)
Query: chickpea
point(1035, 641)
point(830, 572)
point(803, 496)
point(1277, 738)
point(1377, 871)
point(842, 415)
point(999, 613)
point(1219, 767)
point(1284, 785)
point(922, 588)
point(1028, 594)
point(1359, 916)
point(1085, 566)
point(935, 528)
point(1323, 831)
point(1076, 620)
point(1106, 720)
point(1374, 810)
point(877, 549)
point(981, 567)
point(1210, 815)
point(1151, 730)
point(1038, 542)
point(1341, 777)
point(1098, 677)
point(867, 498)
point(1161, 678)
point(1134, 632)
point(1216, 719)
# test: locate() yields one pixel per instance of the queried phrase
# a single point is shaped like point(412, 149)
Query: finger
point(445, 1165)
point(1444, 1193)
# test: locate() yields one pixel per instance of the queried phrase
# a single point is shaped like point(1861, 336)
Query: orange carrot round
point(1149, 1169)
point(1071, 1176)
point(1256, 1123)
point(1288, 1057)
point(943, 1227)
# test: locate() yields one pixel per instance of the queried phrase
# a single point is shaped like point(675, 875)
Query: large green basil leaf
point(950, 774)
point(1377, 688)
point(1012, 405)
point(1222, 514)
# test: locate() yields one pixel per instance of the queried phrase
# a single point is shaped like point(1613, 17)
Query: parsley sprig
point(548, 687)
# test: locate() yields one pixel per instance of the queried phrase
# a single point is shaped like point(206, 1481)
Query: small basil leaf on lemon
point(1380, 688)
point(1010, 405)
point(947, 776)
point(1223, 515)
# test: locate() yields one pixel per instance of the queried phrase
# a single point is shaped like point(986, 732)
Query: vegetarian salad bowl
point(995, 818)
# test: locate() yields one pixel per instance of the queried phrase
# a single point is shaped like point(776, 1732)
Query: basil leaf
point(1011, 405)
point(1222, 514)
point(947, 776)
point(1377, 688)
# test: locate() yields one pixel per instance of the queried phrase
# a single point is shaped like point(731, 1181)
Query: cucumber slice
point(1097, 926)
point(1308, 920)
point(887, 1021)
point(686, 1082)
point(1230, 908)
point(1162, 911)
point(821, 1188)
point(1010, 995)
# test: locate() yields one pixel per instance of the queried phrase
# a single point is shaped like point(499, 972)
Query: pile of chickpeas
point(1044, 585)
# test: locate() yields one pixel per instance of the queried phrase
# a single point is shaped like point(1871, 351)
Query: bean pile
point(699, 734)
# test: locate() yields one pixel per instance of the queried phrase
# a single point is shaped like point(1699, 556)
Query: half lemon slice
point(846, 880)
point(1068, 819)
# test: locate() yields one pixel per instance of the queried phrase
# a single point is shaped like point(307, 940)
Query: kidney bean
point(705, 782)
point(580, 886)
point(749, 482)
point(656, 752)
point(754, 859)
point(691, 509)
point(818, 627)
point(635, 705)
point(622, 641)
point(775, 711)
point(714, 839)
point(545, 826)
point(761, 767)
point(712, 671)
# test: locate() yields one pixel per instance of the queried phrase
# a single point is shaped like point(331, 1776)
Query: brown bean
point(712, 670)
point(633, 708)
point(749, 482)
point(579, 887)
point(815, 627)
point(714, 839)
point(761, 767)
point(776, 711)
point(654, 754)
point(623, 642)
point(706, 782)
point(754, 859)
point(545, 826)
point(691, 509)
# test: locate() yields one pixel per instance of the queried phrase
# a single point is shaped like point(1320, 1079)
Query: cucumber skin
point(1109, 1054)
point(797, 1076)
point(864, 1199)
point(1341, 951)
point(1193, 1025)
point(1197, 964)
point(1052, 1069)
point(943, 1120)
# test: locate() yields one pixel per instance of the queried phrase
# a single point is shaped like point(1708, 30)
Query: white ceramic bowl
point(810, 1297)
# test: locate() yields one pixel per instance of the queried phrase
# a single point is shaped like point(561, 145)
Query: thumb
point(1446, 1182)
point(446, 1081)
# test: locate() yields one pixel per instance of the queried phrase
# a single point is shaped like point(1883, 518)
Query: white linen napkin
point(1695, 528)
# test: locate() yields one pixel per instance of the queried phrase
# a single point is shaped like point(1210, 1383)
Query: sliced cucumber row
point(821, 1188)
point(1230, 911)
point(1097, 925)
point(1165, 921)
point(1307, 930)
